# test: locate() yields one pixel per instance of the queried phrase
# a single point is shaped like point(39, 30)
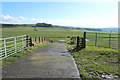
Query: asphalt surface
point(52, 61)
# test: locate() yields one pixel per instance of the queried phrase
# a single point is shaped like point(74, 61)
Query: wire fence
point(12, 45)
point(107, 40)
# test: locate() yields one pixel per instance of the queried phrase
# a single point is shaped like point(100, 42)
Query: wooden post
point(35, 39)
point(96, 39)
point(39, 39)
point(78, 41)
point(27, 41)
point(5, 47)
point(109, 40)
point(30, 42)
point(42, 39)
point(84, 40)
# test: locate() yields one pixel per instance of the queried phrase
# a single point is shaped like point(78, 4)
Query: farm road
point(52, 61)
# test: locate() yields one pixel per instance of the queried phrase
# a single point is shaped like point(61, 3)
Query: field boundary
point(106, 40)
point(12, 45)
point(78, 41)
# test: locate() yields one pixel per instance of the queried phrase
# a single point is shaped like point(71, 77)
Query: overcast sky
point(100, 14)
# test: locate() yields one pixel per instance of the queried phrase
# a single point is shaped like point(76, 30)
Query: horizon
point(77, 14)
point(62, 26)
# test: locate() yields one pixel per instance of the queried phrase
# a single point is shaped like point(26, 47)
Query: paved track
point(52, 61)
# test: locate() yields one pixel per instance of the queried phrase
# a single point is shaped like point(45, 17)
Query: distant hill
point(90, 28)
point(70, 27)
point(110, 29)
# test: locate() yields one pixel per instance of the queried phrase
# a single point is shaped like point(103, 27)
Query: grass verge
point(96, 63)
point(13, 57)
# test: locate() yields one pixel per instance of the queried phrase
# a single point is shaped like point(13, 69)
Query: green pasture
point(61, 32)
point(93, 39)
point(41, 31)
point(93, 62)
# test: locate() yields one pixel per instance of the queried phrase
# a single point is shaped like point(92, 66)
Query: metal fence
point(107, 40)
point(12, 45)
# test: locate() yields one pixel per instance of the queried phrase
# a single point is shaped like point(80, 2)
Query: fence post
point(78, 41)
point(39, 39)
point(15, 45)
point(35, 39)
point(84, 40)
point(30, 42)
point(27, 42)
point(43, 39)
point(109, 40)
point(96, 39)
point(5, 47)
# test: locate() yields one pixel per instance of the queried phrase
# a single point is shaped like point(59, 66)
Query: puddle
point(61, 53)
point(61, 40)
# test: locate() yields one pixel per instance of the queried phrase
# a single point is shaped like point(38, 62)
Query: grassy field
point(93, 62)
point(98, 40)
point(42, 32)
point(96, 63)
point(46, 32)
point(61, 32)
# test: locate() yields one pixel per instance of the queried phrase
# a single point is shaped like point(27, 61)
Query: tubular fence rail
point(12, 45)
point(107, 40)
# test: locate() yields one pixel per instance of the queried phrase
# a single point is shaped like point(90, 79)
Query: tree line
point(14, 25)
point(42, 25)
